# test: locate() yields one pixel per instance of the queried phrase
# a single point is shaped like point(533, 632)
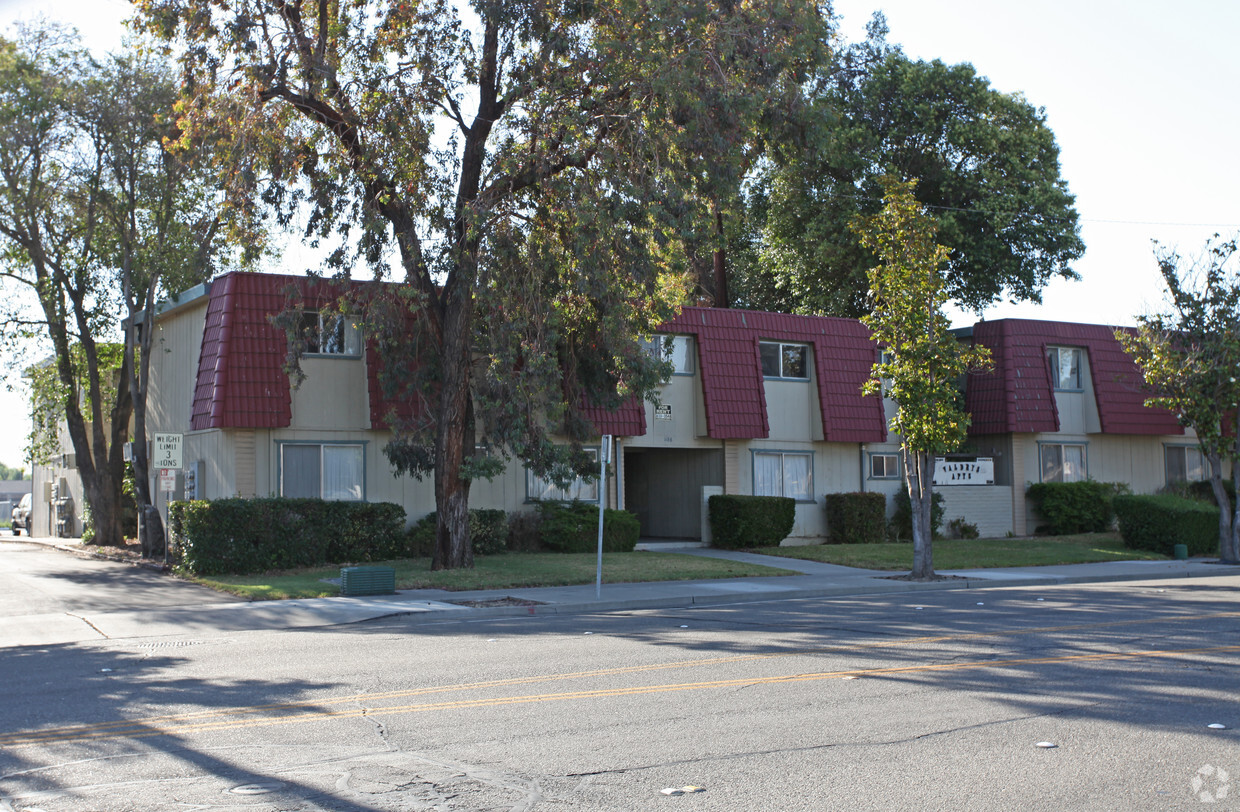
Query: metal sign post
point(604, 454)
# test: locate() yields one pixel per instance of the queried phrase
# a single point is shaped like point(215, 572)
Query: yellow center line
point(171, 725)
point(359, 698)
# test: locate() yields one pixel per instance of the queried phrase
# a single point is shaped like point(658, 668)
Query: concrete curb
point(697, 600)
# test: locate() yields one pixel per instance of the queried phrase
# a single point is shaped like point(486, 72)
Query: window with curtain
point(544, 490)
point(784, 473)
point(1185, 464)
point(1063, 462)
point(322, 471)
point(679, 350)
point(1065, 367)
point(330, 334)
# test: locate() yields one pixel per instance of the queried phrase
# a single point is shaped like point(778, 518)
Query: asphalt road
point(914, 701)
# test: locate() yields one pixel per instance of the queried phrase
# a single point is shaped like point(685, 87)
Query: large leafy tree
point(535, 171)
point(160, 230)
point(988, 170)
point(97, 219)
point(922, 359)
point(1190, 358)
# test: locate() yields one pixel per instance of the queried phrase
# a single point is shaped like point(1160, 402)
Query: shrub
point(1162, 521)
point(962, 529)
point(488, 533)
point(572, 527)
point(525, 532)
point(1075, 507)
point(750, 521)
point(856, 518)
point(257, 535)
point(1203, 491)
point(902, 516)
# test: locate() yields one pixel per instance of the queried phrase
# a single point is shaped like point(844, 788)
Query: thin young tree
point(1189, 356)
point(922, 360)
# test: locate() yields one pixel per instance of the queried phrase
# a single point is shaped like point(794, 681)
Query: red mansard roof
point(241, 381)
point(1018, 397)
point(731, 370)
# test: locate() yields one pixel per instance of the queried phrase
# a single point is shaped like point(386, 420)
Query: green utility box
point(367, 581)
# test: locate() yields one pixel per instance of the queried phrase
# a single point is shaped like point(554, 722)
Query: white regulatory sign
point(166, 450)
point(167, 480)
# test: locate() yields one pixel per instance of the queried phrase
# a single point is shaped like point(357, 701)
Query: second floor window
point(330, 334)
point(1065, 367)
point(678, 350)
point(784, 360)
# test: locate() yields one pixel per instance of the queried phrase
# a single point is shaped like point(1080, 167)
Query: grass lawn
point(974, 553)
point(509, 571)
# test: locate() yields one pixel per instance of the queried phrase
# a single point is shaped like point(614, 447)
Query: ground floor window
point(544, 490)
point(784, 473)
point(1185, 464)
point(884, 466)
point(1063, 462)
point(322, 471)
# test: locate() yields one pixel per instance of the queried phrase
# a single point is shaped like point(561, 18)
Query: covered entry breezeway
point(663, 487)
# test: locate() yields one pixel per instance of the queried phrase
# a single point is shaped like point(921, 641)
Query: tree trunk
point(151, 533)
point(454, 438)
point(1229, 544)
point(1226, 523)
point(720, 261)
point(919, 476)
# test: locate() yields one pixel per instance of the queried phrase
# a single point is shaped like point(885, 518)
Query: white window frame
point(1054, 359)
point(356, 491)
point(781, 348)
point(538, 489)
point(1080, 476)
point(1186, 452)
point(345, 340)
point(806, 495)
point(679, 350)
point(891, 465)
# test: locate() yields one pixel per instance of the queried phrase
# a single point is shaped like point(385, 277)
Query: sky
point(1140, 96)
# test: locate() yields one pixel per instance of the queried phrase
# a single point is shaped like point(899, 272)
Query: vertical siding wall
point(987, 506)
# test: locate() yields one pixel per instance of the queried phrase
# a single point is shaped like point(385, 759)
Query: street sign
point(166, 450)
point(167, 480)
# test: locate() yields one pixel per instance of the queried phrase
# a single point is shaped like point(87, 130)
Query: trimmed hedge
point(1075, 507)
point(902, 516)
point(488, 533)
point(572, 527)
point(738, 521)
point(1203, 491)
point(1162, 521)
point(242, 536)
point(856, 518)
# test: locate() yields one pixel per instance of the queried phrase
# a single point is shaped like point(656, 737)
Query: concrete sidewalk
point(432, 605)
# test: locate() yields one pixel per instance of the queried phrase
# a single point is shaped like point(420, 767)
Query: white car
point(21, 516)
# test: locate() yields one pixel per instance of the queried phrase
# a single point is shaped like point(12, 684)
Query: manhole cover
point(255, 789)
